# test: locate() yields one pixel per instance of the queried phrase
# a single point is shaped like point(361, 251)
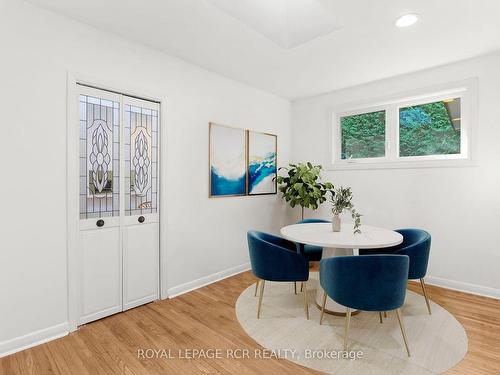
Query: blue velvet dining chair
point(368, 283)
point(275, 259)
point(417, 245)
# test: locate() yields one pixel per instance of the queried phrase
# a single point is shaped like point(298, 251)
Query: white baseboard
point(32, 339)
point(463, 287)
point(195, 284)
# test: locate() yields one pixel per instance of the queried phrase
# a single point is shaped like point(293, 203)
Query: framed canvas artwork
point(262, 155)
point(227, 159)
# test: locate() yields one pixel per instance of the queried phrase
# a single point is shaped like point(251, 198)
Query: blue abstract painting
point(227, 161)
point(261, 163)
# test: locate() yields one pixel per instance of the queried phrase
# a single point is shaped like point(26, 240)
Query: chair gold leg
point(256, 287)
point(262, 283)
point(347, 322)
point(295, 287)
point(322, 308)
point(306, 305)
point(403, 331)
point(380, 317)
point(301, 287)
point(385, 314)
point(422, 282)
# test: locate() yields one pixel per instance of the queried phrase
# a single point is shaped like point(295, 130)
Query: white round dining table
point(340, 243)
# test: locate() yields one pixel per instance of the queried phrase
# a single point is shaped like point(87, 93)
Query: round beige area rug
point(437, 342)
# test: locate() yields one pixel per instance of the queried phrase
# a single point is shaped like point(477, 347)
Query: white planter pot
point(336, 224)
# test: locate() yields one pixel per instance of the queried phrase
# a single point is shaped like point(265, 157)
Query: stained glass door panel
point(99, 154)
point(141, 156)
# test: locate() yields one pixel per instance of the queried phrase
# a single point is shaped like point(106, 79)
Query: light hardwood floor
point(204, 319)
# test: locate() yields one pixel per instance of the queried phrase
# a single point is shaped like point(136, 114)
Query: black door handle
point(141, 219)
point(100, 223)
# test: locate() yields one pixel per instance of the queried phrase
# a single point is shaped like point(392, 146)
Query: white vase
point(336, 224)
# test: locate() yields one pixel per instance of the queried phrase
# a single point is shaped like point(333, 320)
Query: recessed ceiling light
point(406, 20)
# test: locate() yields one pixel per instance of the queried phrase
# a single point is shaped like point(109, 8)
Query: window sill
point(404, 164)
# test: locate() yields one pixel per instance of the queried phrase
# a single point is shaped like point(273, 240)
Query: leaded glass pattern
point(141, 160)
point(99, 157)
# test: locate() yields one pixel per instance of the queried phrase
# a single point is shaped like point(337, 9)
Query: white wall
point(203, 236)
point(458, 206)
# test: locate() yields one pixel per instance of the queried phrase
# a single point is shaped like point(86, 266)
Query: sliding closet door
point(141, 221)
point(99, 195)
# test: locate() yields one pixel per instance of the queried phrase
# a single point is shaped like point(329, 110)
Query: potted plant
point(302, 186)
point(341, 200)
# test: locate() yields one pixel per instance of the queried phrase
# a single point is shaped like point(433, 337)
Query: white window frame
point(465, 90)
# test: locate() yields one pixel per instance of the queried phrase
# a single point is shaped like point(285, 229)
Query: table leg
point(332, 307)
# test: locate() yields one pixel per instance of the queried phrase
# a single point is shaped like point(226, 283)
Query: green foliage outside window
point(363, 136)
point(424, 129)
point(427, 130)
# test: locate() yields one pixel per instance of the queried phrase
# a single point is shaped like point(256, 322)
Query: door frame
point(72, 186)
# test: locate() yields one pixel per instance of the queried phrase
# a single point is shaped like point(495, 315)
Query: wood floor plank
point(206, 319)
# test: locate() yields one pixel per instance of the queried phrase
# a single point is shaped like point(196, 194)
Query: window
point(430, 129)
point(423, 130)
point(363, 135)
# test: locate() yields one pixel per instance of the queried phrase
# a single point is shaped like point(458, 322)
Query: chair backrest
point(275, 259)
point(417, 245)
point(369, 283)
point(307, 221)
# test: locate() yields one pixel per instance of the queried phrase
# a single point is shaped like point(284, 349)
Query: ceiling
point(288, 23)
point(360, 44)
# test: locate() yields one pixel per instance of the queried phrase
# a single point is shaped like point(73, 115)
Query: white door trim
point(72, 188)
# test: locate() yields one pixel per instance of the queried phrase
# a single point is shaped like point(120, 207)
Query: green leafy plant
point(302, 186)
point(341, 199)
